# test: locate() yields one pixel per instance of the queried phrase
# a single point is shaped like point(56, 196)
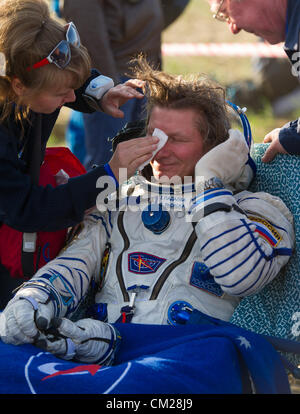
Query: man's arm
point(246, 246)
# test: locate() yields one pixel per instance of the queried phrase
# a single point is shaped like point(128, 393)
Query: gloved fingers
point(65, 348)
point(66, 340)
point(100, 345)
point(24, 318)
point(86, 350)
point(33, 316)
point(62, 347)
point(44, 316)
point(2, 324)
point(86, 340)
point(20, 325)
point(69, 329)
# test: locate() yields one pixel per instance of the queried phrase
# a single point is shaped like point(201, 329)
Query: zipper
point(166, 273)
point(162, 279)
point(119, 272)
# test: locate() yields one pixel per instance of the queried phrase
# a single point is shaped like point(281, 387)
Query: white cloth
point(163, 138)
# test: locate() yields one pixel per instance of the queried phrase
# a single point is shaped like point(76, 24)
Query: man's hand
point(25, 316)
point(131, 154)
point(275, 147)
point(119, 95)
point(86, 340)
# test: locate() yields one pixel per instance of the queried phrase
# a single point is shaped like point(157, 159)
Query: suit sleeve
point(246, 247)
point(69, 275)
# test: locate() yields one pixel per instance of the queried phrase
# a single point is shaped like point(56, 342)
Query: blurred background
point(196, 25)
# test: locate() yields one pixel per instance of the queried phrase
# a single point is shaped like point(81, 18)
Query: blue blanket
point(190, 359)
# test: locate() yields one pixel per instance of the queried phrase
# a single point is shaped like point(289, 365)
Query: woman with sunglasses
point(43, 67)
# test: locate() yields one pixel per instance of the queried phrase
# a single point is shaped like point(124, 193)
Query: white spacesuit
point(160, 251)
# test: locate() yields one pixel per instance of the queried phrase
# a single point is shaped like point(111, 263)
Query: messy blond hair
point(199, 93)
point(28, 33)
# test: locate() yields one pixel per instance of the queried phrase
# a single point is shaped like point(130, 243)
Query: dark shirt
point(289, 135)
point(27, 207)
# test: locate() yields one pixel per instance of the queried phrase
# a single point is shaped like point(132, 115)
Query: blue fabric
point(153, 359)
point(75, 135)
point(292, 29)
point(289, 138)
point(275, 309)
point(55, 7)
point(111, 174)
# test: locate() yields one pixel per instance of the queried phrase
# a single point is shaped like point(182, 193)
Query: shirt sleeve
point(81, 104)
point(289, 137)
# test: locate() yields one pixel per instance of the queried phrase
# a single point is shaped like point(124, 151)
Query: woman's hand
point(131, 154)
point(119, 95)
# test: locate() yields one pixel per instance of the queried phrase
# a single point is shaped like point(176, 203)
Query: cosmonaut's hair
point(199, 93)
point(28, 33)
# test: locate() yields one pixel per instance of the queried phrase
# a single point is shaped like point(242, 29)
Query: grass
point(196, 25)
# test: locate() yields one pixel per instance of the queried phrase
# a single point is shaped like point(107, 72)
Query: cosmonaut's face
point(184, 146)
point(259, 17)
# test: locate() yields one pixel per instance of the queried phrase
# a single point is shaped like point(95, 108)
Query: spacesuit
point(158, 251)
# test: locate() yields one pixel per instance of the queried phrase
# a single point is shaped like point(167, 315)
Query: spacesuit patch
point(266, 231)
point(144, 263)
point(104, 263)
point(202, 279)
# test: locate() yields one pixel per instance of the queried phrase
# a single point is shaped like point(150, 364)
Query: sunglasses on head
point(61, 54)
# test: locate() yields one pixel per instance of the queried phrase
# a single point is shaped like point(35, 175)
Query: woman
point(44, 67)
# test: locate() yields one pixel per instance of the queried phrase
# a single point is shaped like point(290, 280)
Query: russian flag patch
point(266, 231)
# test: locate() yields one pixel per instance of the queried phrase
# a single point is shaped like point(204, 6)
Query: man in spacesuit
point(182, 234)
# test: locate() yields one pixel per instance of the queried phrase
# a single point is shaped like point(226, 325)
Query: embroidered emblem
point(266, 231)
point(202, 279)
point(104, 263)
point(144, 263)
